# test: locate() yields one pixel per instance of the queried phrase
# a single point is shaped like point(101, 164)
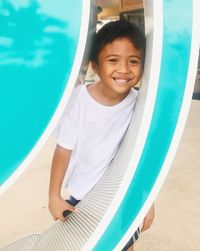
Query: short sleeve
point(68, 131)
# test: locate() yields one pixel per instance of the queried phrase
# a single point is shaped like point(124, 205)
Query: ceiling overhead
point(115, 7)
point(117, 3)
point(107, 3)
point(131, 4)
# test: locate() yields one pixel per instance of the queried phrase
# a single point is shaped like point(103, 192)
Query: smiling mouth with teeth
point(121, 80)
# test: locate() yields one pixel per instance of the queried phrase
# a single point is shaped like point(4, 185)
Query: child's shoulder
point(133, 94)
point(74, 97)
point(76, 92)
point(135, 91)
point(77, 89)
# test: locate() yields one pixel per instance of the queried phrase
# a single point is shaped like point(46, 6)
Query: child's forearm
point(148, 220)
point(57, 205)
point(58, 169)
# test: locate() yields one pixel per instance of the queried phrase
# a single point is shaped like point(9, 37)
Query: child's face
point(119, 66)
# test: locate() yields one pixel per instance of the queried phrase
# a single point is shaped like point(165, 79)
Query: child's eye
point(113, 60)
point(134, 61)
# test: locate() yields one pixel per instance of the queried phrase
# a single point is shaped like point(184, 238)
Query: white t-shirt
point(93, 131)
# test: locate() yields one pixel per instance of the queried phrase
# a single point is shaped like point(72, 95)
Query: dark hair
point(116, 30)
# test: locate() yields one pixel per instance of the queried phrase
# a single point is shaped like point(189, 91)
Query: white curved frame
point(145, 106)
point(63, 102)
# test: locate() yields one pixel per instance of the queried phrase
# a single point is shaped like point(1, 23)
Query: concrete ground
point(176, 226)
point(24, 209)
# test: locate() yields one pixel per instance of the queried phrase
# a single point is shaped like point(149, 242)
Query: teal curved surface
point(177, 35)
point(38, 43)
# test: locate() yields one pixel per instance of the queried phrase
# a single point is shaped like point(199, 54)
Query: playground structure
point(146, 153)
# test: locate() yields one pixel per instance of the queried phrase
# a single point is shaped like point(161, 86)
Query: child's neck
point(105, 96)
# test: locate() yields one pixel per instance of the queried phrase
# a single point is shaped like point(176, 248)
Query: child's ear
point(94, 67)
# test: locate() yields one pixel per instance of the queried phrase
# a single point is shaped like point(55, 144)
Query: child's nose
point(124, 68)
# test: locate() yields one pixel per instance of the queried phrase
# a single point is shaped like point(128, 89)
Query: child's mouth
point(121, 81)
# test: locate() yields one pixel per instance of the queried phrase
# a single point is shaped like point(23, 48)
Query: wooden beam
point(131, 5)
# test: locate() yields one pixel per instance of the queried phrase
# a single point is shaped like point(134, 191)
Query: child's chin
point(122, 89)
point(123, 86)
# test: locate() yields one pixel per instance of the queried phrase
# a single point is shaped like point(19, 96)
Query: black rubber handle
point(66, 213)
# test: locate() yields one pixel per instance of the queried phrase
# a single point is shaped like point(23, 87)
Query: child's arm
point(57, 205)
point(148, 220)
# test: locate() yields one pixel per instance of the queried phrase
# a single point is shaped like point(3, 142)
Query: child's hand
point(148, 220)
point(57, 205)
